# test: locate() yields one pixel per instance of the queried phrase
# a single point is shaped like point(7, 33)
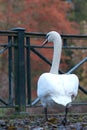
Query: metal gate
point(19, 47)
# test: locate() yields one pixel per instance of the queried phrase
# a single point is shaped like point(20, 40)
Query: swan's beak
point(46, 41)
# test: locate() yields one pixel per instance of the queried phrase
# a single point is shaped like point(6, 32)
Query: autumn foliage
point(37, 15)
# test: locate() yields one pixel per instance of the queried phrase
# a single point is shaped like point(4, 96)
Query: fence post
point(28, 67)
point(19, 70)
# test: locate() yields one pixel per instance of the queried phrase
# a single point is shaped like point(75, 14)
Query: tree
point(80, 10)
point(37, 15)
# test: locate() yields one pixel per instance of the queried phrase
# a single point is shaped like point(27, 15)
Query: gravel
point(37, 122)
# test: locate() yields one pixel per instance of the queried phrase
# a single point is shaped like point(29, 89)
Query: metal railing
point(19, 70)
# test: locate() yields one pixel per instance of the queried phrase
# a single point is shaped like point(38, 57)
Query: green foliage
point(80, 10)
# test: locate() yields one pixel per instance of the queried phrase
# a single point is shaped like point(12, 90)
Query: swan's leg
point(65, 117)
point(45, 111)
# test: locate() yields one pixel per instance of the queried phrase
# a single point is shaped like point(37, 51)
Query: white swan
point(54, 88)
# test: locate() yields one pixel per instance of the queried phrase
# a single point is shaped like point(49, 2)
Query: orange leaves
point(38, 15)
point(51, 15)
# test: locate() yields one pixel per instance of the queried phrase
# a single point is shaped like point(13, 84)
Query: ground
point(37, 122)
point(33, 119)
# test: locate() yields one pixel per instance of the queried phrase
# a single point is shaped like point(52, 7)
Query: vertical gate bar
point(16, 74)
point(28, 69)
point(64, 42)
point(10, 69)
point(20, 88)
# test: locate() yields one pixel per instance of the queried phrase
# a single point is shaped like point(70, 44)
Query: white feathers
point(59, 88)
point(53, 87)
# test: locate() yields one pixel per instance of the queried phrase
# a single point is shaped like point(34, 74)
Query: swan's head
point(52, 37)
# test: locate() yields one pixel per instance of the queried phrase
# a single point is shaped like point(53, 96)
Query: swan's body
point(61, 89)
point(55, 88)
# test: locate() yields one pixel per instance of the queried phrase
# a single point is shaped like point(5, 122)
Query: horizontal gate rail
point(19, 47)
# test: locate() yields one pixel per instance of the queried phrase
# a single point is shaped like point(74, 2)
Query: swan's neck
point(56, 56)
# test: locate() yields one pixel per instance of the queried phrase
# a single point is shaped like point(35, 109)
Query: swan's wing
point(48, 84)
point(59, 88)
point(67, 89)
point(71, 84)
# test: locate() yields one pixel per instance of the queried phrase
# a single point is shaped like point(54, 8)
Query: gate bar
point(10, 69)
point(19, 70)
point(28, 67)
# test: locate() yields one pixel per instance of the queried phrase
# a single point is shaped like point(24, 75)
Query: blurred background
point(63, 16)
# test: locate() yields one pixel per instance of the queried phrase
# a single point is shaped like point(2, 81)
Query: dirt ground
point(37, 122)
point(33, 119)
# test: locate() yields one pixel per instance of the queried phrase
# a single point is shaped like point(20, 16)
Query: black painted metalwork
point(19, 67)
point(19, 70)
point(10, 69)
point(28, 69)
